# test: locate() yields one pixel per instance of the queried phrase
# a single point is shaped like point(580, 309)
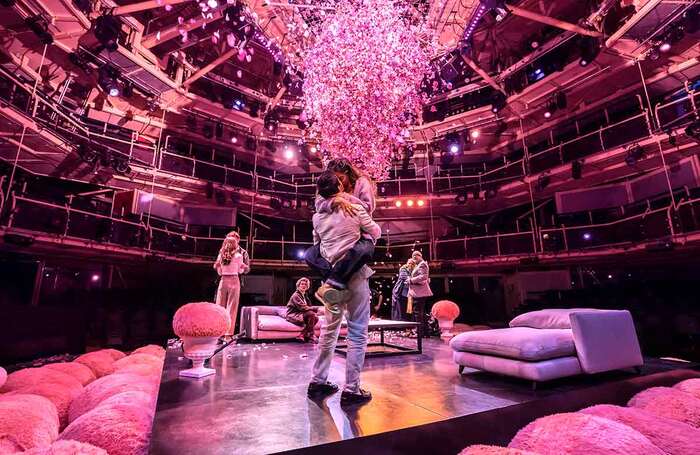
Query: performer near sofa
point(419, 289)
point(301, 313)
point(231, 262)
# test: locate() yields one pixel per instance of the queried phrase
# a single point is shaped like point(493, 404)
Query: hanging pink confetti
point(361, 81)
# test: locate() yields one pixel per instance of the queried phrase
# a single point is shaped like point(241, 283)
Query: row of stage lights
point(410, 203)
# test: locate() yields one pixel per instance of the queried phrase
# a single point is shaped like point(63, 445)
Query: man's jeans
point(339, 275)
point(357, 307)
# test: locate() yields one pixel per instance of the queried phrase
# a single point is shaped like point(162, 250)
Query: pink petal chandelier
point(361, 81)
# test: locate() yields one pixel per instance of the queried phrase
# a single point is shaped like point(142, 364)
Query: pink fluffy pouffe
point(691, 386)
point(669, 402)
point(101, 363)
point(79, 371)
point(201, 319)
point(119, 429)
point(445, 309)
point(30, 376)
point(493, 450)
point(67, 447)
point(574, 433)
point(142, 359)
point(132, 398)
point(26, 421)
point(3, 377)
point(151, 349)
point(60, 394)
point(115, 354)
point(671, 436)
point(103, 388)
point(143, 369)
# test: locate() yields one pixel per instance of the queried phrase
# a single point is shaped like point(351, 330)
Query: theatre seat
point(550, 344)
point(269, 323)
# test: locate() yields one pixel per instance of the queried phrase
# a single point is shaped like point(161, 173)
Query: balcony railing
point(66, 222)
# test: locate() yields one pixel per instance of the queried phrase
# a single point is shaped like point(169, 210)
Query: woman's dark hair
point(327, 184)
point(345, 167)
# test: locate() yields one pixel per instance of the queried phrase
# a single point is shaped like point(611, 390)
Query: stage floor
point(257, 404)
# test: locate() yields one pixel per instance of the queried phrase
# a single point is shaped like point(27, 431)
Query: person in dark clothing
point(399, 295)
point(301, 313)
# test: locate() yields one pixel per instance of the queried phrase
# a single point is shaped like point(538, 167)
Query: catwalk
point(256, 403)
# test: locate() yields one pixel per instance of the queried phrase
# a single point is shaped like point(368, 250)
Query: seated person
point(337, 236)
point(336, 277)
point(301, 313)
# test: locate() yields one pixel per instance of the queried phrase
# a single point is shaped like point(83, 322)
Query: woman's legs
point(228, 296)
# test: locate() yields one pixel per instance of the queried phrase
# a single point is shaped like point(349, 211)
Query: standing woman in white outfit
point(231, 262)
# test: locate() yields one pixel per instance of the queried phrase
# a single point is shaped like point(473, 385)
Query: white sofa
point(550, 344)
point(269, 323)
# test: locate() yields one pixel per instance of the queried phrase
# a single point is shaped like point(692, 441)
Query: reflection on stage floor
point(256, 403)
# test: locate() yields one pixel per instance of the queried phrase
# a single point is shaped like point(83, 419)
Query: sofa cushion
point(544, 370)
point(552, 318)
point(522, 343)
point(268, 322)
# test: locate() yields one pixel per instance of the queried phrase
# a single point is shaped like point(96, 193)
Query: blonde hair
point(303, 279)
point(227, 248)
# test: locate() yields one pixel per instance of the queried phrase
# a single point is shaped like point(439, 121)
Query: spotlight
point(587, 236)
point(152, 104)
point(107, 30)
point(87, 154)
point(286, 203)
point(420, 202)
point(589, 49)
point(300, 254)
point(95, 278)
point(107, 80)
point(288, 153)
point(498, 102)
point(234, 139)
point(693, 130)
point(454, 148)
point(548, 112)
point(212, 3)
point(665, 47)
point(398, 203)
point(271, 122)
point(238, 104)
point(38, 25)
point(121, 166)
point(409, 203)
point(313, 149)
point(475, 134)
point(128, 89)
point(634, 154)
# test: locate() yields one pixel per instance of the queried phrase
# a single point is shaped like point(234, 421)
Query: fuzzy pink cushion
point(691, 386)
point(493, 450)
point(445, 309)
point(30, 376)
point(669, 402)
point(201, 319)
point(151, 349)
point(115, 354)
point(143, 359)
point(574, 433)
point(671, 436)
point(143, 369)
point(26, 421)
point(3, 377)
point(118, 429)
point(60, 394)
point(108, 386)
point(81, 372)
point(67, 447)
point(101, 363)
point(132, 398)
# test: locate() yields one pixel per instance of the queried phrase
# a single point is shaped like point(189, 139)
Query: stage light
point(38, 25)
point(609, 277)
point(313, 149)
point(95, 278)
point(409, 203)
point(587, 236)
point(589, 49)
point(665, 47)
point(288, 153)
point(547, 113)
point(212, 3)
point(238, 104)
point(634, 154)
point(146, 198)
point(475, 134)
point(693, 130)
point(121, 166)
point(88, 154)
point(107, 30)
point(234, 139)
point(107, 80)
point(398, 203)
point(420, 202)
point(454, 148)
point(498, 102)
point(301, 254)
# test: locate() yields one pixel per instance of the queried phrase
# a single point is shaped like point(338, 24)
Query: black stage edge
point(256, 403)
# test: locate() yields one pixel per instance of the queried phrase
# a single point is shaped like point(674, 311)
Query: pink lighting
point(421, 202)
point(409, 203)
point(398, 203)
point(288, 153)
point(95, 278)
